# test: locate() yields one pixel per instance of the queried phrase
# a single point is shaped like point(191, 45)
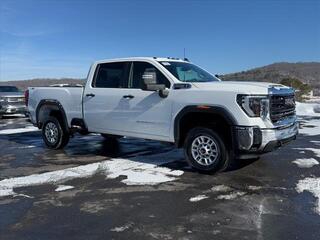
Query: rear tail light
point(26, 97)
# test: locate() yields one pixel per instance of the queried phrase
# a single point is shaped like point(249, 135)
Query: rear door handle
point(128, 96)
point(90, 95)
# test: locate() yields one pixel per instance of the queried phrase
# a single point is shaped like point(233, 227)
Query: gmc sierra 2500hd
point(171, 100)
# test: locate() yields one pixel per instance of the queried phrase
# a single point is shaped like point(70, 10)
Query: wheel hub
point(51, 132)
point(204, 150)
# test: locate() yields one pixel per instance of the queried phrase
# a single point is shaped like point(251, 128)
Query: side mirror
point(155, 87)
point(150, 82)
point(161, 88)
point(149, 77)
point(164, 92)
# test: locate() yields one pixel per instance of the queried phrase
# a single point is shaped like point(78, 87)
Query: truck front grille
point(281, 107)
point(15, 100)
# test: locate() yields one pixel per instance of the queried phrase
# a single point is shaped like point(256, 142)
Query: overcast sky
point(52, 38)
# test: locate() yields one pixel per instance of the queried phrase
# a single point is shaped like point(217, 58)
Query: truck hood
point(239, 87)
point(11, 94)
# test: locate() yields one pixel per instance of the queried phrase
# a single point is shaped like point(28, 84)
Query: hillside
point(307, 72)
point(41, 82)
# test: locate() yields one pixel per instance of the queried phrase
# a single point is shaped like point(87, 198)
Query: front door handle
point(128, 96)
point(90, 95)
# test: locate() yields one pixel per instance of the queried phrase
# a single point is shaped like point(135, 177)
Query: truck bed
point(69, 97)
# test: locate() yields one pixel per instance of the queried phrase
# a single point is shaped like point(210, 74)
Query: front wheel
point(205, 150)
point(53, 134)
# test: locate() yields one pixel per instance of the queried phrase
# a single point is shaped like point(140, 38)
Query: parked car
point(12, 101)
point(169, 100)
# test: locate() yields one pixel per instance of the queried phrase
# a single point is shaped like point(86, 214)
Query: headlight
point(2, 99)
point(254, 106)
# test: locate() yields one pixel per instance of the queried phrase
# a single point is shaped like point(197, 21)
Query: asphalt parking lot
point(136, 189)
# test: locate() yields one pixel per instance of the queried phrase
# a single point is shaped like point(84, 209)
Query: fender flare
point(53, 104)
point(219, 110)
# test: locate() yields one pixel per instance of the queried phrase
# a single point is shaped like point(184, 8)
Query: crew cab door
point(116, 104)
point(103, 103)
point(149, 115)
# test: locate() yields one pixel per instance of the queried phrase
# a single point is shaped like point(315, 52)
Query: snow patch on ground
point(312, 185)
point(316, 151)
point(221, 188)
point(307, 109)
point(231, 196)
point(122, 228)
point(26, 147)
point(310, 127)
point(254, 188)
point(6, 191)
point(19, 130)
point(198, 198)
point(306, 162)
point(61, 188)
point(136, 173)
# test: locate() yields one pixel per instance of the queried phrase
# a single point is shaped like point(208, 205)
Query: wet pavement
point(137, 189)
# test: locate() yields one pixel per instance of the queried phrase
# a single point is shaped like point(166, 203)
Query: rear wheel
point(53, 134)
point(205, 150)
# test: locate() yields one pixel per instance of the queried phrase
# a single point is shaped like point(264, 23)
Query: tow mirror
point(164, 92)
point(150, 83)
point(149, 77)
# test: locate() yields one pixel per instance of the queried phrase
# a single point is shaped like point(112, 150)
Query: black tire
point(54, 134)
point(211, 155)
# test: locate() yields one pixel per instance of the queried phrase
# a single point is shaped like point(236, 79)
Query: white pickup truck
point(171, 100)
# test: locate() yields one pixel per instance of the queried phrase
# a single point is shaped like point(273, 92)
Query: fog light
point(248, 137)
point(244, 137)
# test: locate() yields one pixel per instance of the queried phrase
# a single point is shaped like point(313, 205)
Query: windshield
point(187, 72)
point(8, 89)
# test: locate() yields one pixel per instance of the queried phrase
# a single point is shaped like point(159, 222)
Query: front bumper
point(12, 109)
point(261, 140)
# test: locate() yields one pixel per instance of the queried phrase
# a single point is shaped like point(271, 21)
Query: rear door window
point(111, 75)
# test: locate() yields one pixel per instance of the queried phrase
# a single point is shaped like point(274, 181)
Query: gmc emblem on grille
point(289, 101)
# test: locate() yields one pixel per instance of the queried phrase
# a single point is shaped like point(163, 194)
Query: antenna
point(184, 55)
